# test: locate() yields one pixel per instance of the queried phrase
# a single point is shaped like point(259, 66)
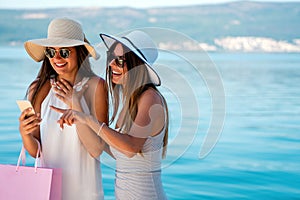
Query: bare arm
point(95, 94)
point(99, 109)
point(29, 127)
point(29, 130)
point(148, 122)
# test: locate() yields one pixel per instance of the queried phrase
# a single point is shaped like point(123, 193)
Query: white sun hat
point(62, 32)
point(142, 45)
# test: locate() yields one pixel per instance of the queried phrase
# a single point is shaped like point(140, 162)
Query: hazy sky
point(17, 4)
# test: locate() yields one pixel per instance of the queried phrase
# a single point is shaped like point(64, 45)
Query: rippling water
point(258, 153)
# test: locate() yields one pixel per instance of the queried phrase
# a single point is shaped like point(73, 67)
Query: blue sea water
point(256, 156)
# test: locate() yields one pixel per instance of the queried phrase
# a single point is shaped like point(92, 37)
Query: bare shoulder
point(97, 89)
point(97, 84)
point(150, 97)
point(97, 95)
point(151, 111)
point(41, 95)
point(96, 80)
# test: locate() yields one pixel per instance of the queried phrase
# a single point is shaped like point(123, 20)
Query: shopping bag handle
point(22, 157)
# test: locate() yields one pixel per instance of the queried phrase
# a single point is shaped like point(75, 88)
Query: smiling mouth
point(116, 73)
point(59, 65)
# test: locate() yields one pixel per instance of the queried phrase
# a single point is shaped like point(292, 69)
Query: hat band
point(135, 48)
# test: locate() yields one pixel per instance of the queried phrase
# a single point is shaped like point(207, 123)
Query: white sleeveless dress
point(82, 178)
point(139, 177)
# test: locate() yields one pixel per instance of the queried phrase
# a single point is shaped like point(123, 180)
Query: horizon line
point(144, 8)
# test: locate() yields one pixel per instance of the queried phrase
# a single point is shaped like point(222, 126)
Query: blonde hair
point(137, 82)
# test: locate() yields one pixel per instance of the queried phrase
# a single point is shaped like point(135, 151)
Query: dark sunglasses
point(119, 60)
point(50, 53)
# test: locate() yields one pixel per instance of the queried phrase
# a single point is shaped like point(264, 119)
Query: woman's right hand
point(28, 125)
point(65, 92)
point(70, 116)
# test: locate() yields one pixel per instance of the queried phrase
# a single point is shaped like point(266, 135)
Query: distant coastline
point(230, 44)
point(232, 27)
point(239, 44)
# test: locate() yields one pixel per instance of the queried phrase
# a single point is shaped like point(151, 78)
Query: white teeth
point(59, 65)
point(116, 73)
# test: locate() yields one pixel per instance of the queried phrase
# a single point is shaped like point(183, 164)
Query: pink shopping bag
point(30, 183)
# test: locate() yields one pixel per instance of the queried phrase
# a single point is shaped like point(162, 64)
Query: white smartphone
point(24, 104)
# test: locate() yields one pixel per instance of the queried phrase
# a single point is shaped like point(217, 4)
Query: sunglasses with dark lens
point(119, 60)
point(50, 53)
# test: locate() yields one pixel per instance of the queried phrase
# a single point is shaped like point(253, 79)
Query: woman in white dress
point(139, 140)
point(66, 80)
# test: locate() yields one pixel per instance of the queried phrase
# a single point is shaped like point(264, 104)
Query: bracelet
point(100, 129)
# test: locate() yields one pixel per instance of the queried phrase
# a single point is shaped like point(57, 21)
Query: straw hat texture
point(62, 32)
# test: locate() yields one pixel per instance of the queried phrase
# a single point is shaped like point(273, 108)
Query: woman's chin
point(117, 80)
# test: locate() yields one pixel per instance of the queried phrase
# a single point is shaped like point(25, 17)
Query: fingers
point(25, 114)
point(59, 91)
point(29, 127)
point(82, 91)
point(34, 119)
point(62, 98)
point(66, 118)
point(64, 91)
point(64, 85)
point(69, 118)
point(30, 124)
point(61, 94)
point(60, 110)
point(61, 123)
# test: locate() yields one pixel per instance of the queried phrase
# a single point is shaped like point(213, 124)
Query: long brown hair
point(47, 71)
point(137, 82)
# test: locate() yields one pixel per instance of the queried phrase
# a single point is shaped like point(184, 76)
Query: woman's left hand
point(65, 92)
point(70, 116)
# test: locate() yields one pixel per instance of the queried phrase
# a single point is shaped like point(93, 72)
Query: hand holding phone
point(24, 104)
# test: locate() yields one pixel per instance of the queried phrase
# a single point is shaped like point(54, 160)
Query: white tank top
point(139, 177)
point(82, 178)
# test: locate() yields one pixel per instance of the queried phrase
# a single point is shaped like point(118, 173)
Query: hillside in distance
point(238, 26)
